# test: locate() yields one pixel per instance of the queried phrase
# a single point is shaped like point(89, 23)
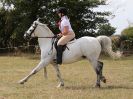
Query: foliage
point(106, 29)
point(17, 15)
point(127, 35)
point(128, 32)
point(6, 27)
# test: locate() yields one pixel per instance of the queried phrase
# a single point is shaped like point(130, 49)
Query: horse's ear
point(38, 19)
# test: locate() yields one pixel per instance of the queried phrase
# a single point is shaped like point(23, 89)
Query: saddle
point(64, 46)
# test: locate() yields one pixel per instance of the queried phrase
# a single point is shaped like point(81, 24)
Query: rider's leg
point(59, 54)
point(62, 41)
point(65, 39)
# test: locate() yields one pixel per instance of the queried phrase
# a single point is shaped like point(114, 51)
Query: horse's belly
point(72, 55)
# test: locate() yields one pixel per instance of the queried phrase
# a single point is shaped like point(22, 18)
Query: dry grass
point(79, 80)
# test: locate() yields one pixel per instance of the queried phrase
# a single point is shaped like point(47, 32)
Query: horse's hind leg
point(100, 68)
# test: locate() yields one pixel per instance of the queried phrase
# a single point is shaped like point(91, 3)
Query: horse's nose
point(26, 36)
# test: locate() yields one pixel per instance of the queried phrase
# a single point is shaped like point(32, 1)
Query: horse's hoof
point(97, 86)
point(60, 85)
point(103, 79)
point(21, 82)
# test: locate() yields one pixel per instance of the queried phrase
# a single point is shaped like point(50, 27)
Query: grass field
point(79, 80)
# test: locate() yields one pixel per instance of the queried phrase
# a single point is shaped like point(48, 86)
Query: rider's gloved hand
point(59, 35)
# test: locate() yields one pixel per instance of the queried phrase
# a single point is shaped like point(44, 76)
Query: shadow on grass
point(118, 87)
point(92, 87)
point(77, 87)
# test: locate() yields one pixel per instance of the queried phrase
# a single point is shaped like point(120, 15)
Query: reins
point(47, 37)
point(53, 38)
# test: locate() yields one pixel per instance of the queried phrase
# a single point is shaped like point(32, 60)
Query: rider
point(66, 34)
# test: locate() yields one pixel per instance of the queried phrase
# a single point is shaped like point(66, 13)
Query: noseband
point(34, 27)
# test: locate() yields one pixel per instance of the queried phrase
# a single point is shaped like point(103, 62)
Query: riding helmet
point(62, 10)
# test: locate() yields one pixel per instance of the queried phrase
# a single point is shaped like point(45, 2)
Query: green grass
point(79, 80)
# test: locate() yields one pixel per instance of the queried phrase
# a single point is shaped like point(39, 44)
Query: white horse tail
point(106, 45)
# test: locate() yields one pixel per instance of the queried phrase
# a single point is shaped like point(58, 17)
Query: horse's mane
point(44, 26)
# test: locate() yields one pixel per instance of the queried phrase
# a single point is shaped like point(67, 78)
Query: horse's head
point(29, 33)
point(37, 29)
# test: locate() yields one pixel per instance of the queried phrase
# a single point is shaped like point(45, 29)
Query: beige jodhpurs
point(66, 38)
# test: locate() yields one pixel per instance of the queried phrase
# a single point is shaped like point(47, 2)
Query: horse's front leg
point(43, 63)
point(58, 75)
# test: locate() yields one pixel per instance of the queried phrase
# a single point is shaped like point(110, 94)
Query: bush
point(128, 32)
point(127, 35)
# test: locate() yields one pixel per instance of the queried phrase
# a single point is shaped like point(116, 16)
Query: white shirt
point(65, 22)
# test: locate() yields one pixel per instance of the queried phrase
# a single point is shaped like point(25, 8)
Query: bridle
point(32, 31)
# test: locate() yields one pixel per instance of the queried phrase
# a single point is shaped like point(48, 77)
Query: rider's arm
point(65, 30)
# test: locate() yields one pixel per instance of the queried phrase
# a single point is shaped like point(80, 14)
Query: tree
point(106, 29)
point(6, 25)
point(84, 20)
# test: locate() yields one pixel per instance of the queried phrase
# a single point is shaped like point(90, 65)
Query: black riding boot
point(59, 54)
